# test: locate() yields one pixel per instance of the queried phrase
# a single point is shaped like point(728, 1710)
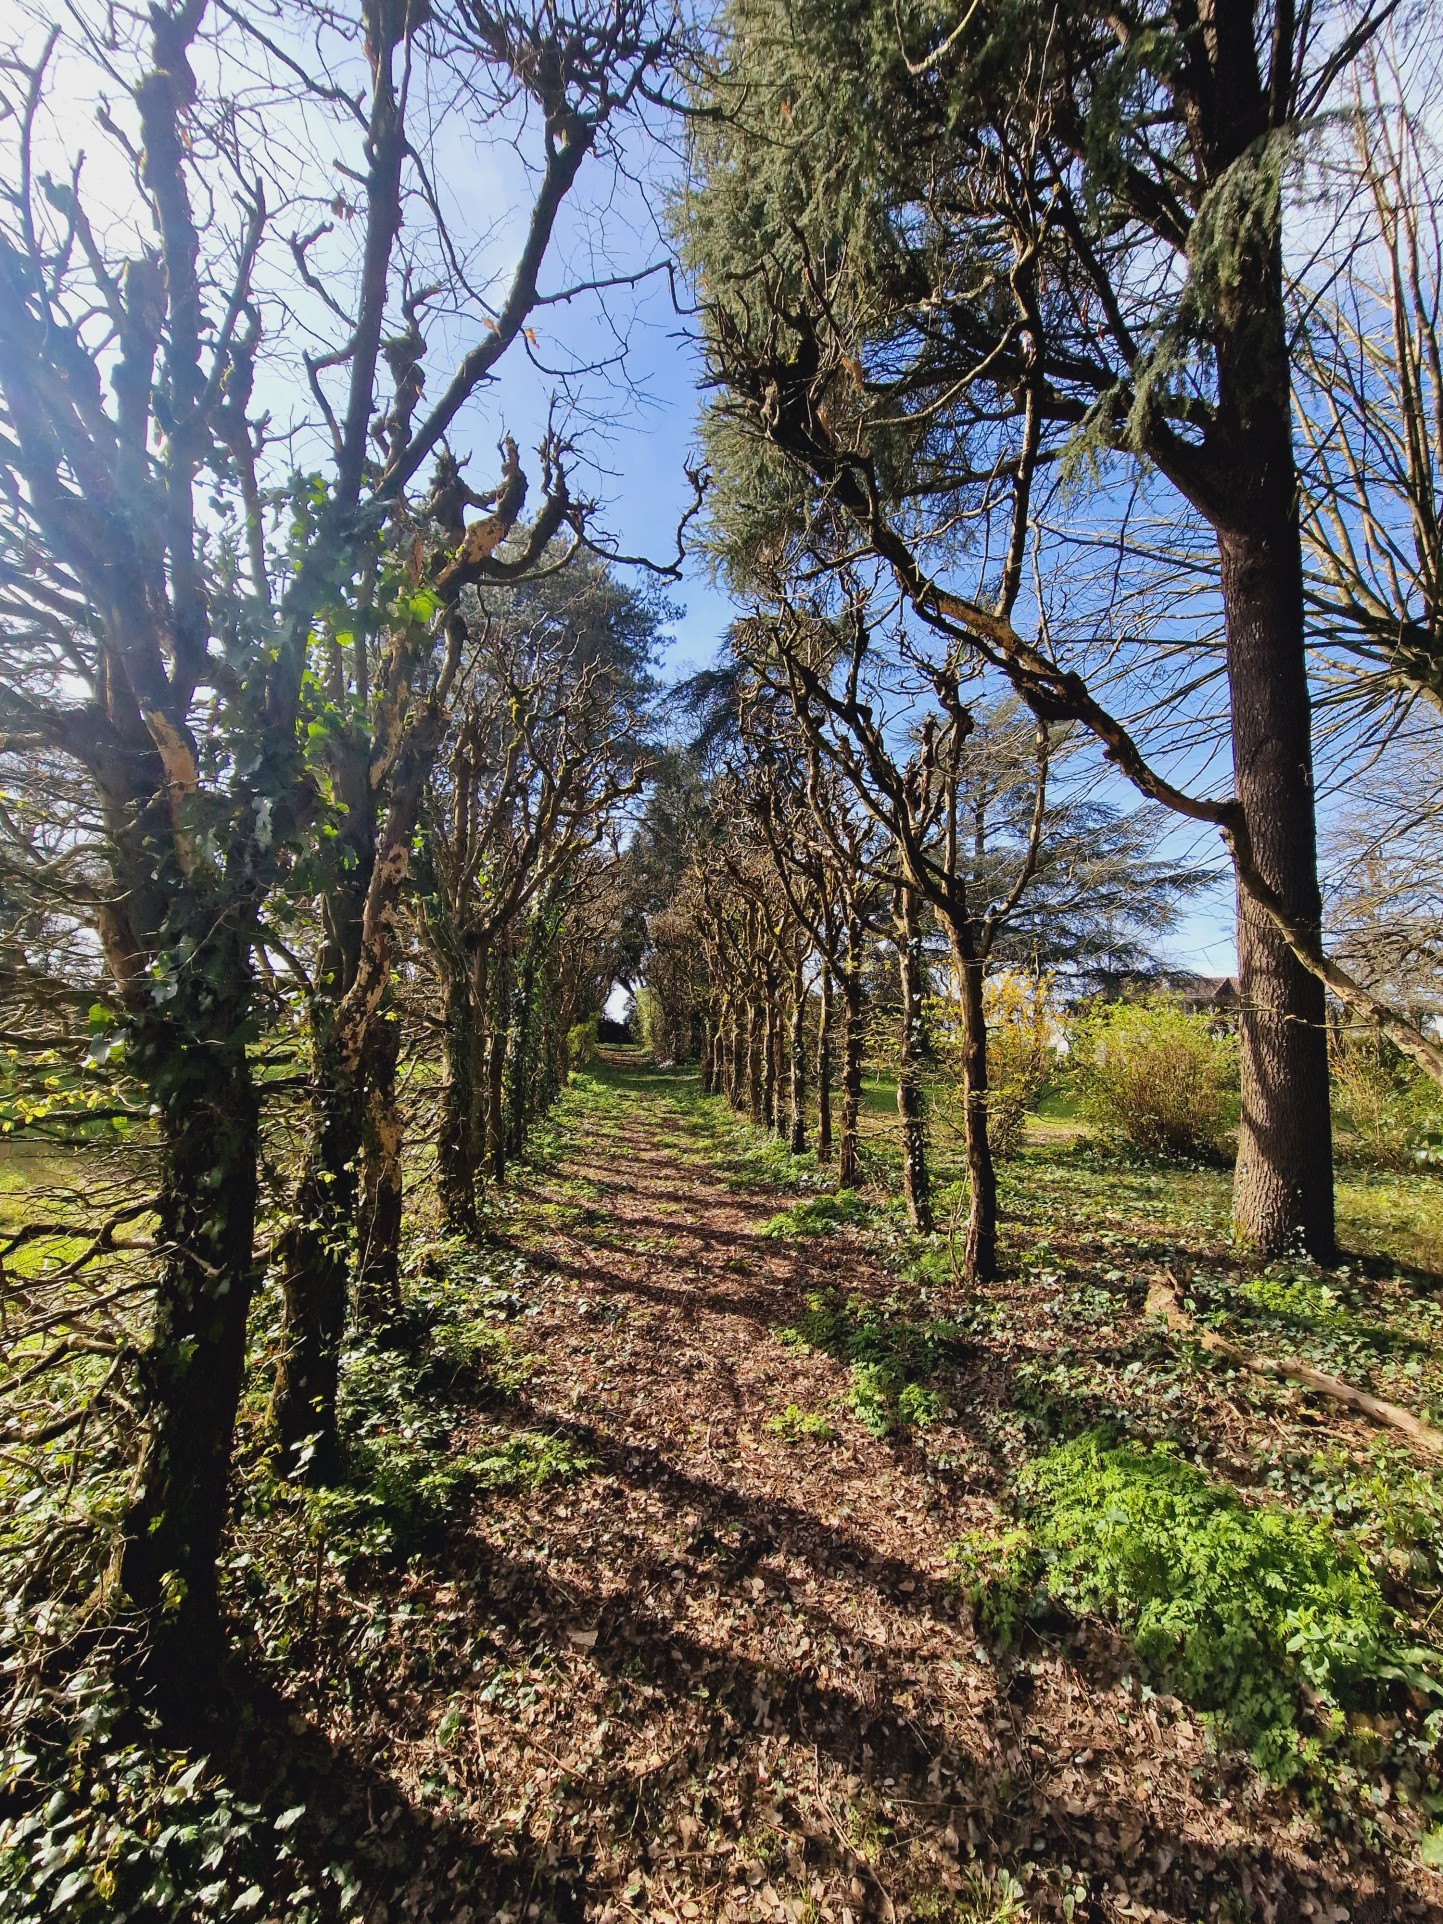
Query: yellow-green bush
point(1389, 1114)
point(1154, 1078)
point(581, 1043)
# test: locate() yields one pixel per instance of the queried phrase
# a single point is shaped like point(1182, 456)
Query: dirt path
point(723, 1675)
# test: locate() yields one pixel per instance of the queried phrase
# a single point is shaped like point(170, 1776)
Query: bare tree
point(1370, 402)
point(179, 655)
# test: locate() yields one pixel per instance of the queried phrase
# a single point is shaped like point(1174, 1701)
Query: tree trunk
point(316, 1251)
point(1283, 1187)
point(497, 1045)
point(521, 1090)
point(979, 1259)
point(549, 1056)
point(853, 1044)
point(797, 1138)
point(771, 1030)
point(317, 1245)
point(378, 1266)
point(909, 1088)
point(755, 1077)
point(708, 1057)
point(455, 1152)
point(736, 1093)
point(191, 1370)
point(824, 1067)
point(496, 1105)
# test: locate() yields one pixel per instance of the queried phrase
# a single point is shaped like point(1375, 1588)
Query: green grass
point(1058, 1103)
point(1383, 1216)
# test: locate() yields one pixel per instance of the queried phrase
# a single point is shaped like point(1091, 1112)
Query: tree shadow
point(362, 1844)
point(998, 1782)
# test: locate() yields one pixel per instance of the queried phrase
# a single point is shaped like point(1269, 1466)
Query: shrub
point(1389, 1112)
point(581, 1042)
point(1155, 1078)
point(1020, 1039)
point(1247, 1610)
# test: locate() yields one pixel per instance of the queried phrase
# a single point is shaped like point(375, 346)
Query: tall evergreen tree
point(938, 257)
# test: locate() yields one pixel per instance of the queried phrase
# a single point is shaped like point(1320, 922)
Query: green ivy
point(890, 1358)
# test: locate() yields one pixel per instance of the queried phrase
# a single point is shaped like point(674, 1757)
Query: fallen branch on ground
point(1162, 1300)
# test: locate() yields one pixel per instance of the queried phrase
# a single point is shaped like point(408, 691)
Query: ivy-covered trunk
point(911, 1051)
point(824, 1066)
point(456, 1115)
point(768, 1116)
point(797, 1139)
point(317, 1247)
point(315, 1259)
point(378, 1263)
point(497, 1044)
point(756, 1093)
point(522, 1093)
point(776, 1106)
point(853, 1044)
point(736, 1084)
point(190, 1371)
point(552, 1057)
point(979, 1260)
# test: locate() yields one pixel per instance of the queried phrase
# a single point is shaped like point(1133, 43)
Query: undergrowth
point(819, 1215)
point(1270, 1620)
point(796, 1425)
point(104, 1822)
point(890, 1357)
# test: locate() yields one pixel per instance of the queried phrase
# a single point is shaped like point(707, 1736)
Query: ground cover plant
point(1265, 1618)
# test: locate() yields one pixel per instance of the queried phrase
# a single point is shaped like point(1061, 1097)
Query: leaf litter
point(725, 1671)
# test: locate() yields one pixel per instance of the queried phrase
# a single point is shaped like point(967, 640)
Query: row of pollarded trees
point(539, 766)
point(1008, 352)
point(543, 747)
point(261, 637)
point(801, 863)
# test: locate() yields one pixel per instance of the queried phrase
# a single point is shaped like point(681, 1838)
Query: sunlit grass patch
point(1270, 1620)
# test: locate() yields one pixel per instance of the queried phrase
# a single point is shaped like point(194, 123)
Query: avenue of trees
point(981, 298)
point(1073, 422)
